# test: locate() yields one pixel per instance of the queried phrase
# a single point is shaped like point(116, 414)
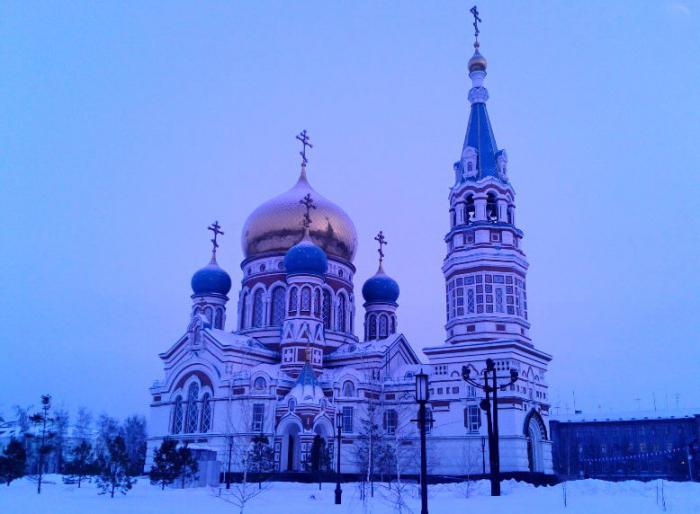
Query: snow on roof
point(640, 415)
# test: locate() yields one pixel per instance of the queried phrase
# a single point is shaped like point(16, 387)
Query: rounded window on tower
point(259, 384)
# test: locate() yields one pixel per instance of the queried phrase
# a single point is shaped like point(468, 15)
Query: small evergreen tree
point(113, 465)
point(187, 465)
point(13, 461)
point(44, 421)
point(82, 463)
point(166, 464)
point(261, 457)
point(319, 461)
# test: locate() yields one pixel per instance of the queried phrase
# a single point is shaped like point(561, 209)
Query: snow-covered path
point(589, 497)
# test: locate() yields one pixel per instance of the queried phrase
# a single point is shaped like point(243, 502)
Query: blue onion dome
point(211, 279)
point(380, 288)
point(305, 258)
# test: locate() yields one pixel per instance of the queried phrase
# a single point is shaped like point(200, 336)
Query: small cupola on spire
point(380, 293)
point(210, 287)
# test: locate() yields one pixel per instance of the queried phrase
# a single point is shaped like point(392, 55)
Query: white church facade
point(285, 356)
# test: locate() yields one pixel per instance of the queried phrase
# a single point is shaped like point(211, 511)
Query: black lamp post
point(422, 399)
point(490, 406)
point(338, 433)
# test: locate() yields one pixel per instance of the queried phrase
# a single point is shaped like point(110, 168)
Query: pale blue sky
point(127, 127)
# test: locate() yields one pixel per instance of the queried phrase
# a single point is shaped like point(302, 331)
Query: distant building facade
point(638, 446)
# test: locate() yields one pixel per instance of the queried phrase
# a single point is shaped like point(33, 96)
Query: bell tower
point(485, 268)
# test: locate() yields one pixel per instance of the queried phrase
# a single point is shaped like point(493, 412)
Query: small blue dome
point(305, 258)
point(211, 279)
point(380, 288)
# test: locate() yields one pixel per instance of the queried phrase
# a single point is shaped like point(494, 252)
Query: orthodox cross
point(216, 229)
point(305, 141)
point(308, 203)
point(477, 20)
point(382, 241)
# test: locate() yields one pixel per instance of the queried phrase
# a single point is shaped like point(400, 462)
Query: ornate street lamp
point(422, 399)
point(338, 433)
point(490, 406)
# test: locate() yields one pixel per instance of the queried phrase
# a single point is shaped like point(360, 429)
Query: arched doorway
point(536, 434)
point(290, 456)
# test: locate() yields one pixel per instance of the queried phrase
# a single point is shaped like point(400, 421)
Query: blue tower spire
point(480, 157)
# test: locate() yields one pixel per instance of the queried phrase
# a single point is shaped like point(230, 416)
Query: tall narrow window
point(258, 309)
point(258, 417)
point(219, 323)
point(372, 329)
point(340, 315)
point(317, 303)
point(326, 309)
point(347, 420)
point(192, 408)
point(472, 418)
point(383, 326)
point(277, 311)
point(470, 300)
point(244, 311)
point(205, 422)
point(391, 420)
point(293, 300)
point(177, 416)
point(209, 314)
point(306, 299)
point(393, 325)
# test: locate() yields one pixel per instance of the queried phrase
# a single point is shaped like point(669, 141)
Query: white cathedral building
point(286, 356)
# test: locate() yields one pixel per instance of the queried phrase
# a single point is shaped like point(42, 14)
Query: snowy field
point(588, 496)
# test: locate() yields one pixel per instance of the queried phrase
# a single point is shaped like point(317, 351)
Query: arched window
point(383, 326)
point(277, 314)
point(470, 166)
point(391, 421)
point(453, 218)
point(205, 421)
point(219, 319)
point(372, 330)
point(192, 408)
point(469, 210)
point(306, 299)
point(244, 311)
point(393, 325)
point(260, 384)
point(348, 388)
point(491, 208)
point(340, 314)
point(293, 300)
point(177, 416)
point(258, 309)
point(317, 303)
point(326, 309)
point(209, 314)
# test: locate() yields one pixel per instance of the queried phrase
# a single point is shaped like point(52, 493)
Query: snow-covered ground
point(588, 496)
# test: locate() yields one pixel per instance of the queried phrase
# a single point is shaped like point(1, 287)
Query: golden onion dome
point(276, 225)
point(478, 61)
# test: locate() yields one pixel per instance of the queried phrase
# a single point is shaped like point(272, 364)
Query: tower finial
point(382, 241)
point(216, 230)
point(305, 141)
point(477, 20)
point(308, 203)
